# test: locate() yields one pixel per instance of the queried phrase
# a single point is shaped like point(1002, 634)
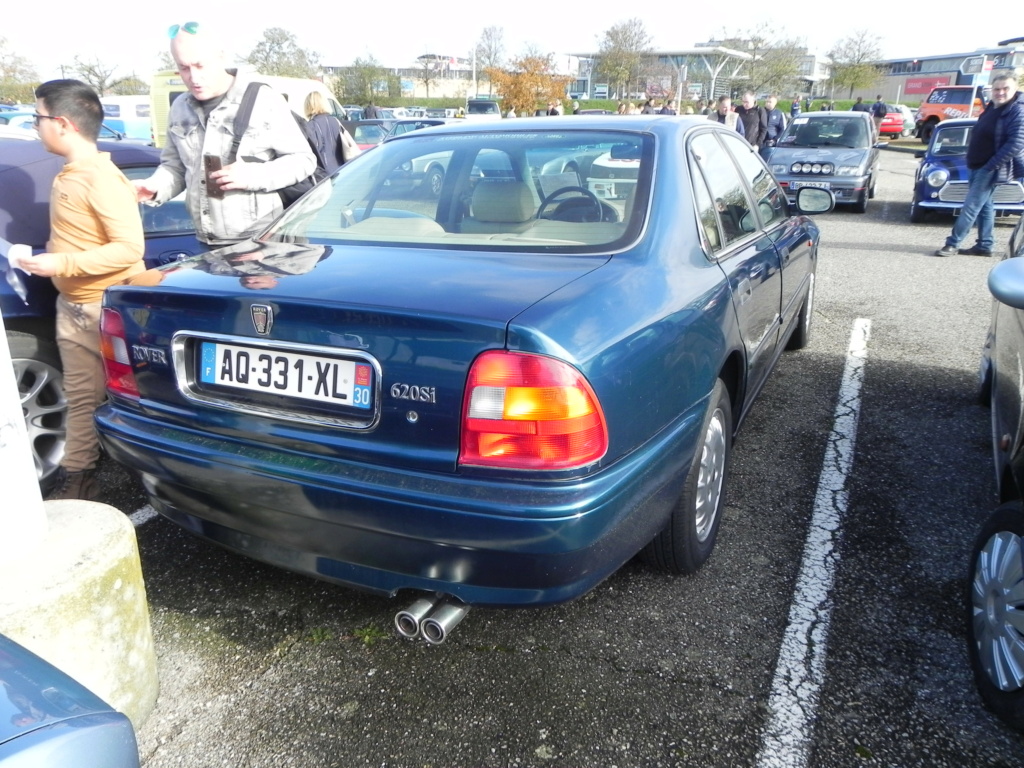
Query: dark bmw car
point(940, 185)
point(497, 396)
point(996, 578)
point(829, 150)
point(27, 171)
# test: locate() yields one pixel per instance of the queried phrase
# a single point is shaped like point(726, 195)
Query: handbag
point(349, 148)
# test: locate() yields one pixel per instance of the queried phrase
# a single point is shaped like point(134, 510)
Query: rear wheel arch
point(732, 376)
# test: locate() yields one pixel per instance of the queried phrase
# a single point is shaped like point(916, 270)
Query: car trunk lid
point(354, 352)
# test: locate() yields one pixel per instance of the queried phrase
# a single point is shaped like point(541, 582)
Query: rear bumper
point(487, 541)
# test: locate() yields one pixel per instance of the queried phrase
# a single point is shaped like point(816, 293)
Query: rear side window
point(771, 202)
point(736, 219)
point(951, 96)
point(483, 108)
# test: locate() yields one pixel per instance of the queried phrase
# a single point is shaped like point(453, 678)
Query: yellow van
point(168, 85)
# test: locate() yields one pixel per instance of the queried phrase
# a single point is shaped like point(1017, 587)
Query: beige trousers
point(78, 339)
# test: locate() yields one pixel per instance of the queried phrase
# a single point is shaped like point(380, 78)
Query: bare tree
point(165, 61)
point(279, 53)
point(855, 61)
point(430, 70)
point(18, 78)
point(776, 62)
point(490, 53)
point(95, 73)
point(129, 86)
point(624, 52)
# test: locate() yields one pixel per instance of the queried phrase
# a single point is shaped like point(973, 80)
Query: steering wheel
point(591, 199)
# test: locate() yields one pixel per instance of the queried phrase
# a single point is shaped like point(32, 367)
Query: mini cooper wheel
point(918, 215)
point(686, 542)
point(995, 631)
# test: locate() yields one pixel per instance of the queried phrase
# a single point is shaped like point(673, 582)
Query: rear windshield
point(577, 191)
point(483, 108)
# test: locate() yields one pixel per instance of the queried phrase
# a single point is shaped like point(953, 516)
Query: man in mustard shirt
point(95, 241)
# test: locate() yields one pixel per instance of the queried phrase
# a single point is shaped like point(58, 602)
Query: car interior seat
point(854, 135)
point(500, 206)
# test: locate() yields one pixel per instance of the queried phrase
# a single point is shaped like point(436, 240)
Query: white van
point(296, 89)
point(130, 113)
point(167, 86)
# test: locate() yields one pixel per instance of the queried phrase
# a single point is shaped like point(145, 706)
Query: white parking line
point(143, 515)
point(800, 671)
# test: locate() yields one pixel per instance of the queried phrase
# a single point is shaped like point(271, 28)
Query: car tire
point(871, 188)
point(995, 613)
point(802, 333)
point(686, 542)
point(926, 132)
point(861, 206)
point(919, 215)
point(40, 379)
point(434, 182)
point(984, 393)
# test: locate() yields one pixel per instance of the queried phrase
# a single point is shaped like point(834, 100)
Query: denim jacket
point(273, 142)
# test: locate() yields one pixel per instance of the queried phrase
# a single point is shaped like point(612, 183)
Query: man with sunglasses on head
point(226, 194)
point(95, 241)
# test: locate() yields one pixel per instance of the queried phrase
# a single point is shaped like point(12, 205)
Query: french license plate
point(815, 184)
point(287, 373)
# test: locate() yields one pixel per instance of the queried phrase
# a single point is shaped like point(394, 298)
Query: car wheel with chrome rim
point(995, 629)
point(40, 379)
point(686, 542)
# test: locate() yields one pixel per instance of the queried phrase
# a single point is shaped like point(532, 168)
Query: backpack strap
point(242, 117)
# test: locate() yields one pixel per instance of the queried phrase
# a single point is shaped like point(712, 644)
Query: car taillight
point(116, 362)
point(525, 411)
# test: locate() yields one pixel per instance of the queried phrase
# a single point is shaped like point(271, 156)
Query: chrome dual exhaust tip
point(433, 617)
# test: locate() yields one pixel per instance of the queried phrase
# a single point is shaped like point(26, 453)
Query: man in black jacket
point(995, 155)
point(755, 120)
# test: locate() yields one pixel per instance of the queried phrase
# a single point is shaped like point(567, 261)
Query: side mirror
point(919, 154)
point(813, 200)
point(1006, 282)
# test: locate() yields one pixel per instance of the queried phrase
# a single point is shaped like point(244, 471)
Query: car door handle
point(744, 290)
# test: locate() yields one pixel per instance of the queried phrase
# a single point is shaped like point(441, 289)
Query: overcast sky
point(395, 32)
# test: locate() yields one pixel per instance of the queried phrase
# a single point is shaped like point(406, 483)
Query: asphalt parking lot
point(260, 667)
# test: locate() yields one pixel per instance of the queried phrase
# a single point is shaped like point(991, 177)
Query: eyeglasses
point(189, 26)
point(37, 117)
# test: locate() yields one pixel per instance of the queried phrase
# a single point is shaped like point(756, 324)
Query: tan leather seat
point(500, 206)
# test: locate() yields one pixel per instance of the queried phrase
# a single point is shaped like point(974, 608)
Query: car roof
point(953, 123)
point(27, 171)
point(629, 123)
point(837, 113)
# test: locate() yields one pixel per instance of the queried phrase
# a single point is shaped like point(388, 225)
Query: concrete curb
point(81, 605)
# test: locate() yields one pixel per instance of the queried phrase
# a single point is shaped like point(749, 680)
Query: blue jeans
point(977, 207)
